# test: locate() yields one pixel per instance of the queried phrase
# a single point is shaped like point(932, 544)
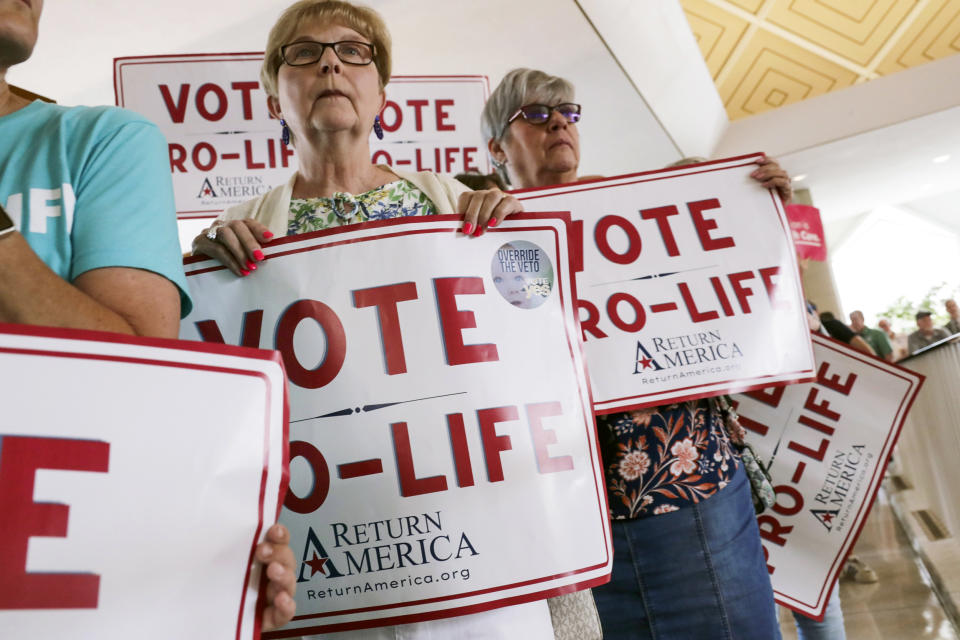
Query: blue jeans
point(694, 574)
point(832, 626)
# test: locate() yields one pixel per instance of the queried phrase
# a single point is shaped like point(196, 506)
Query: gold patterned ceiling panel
point(764, 54)
point(717, 34)
point(774, 72)
point(857, 37)
point(748, 5)
point(935, 33)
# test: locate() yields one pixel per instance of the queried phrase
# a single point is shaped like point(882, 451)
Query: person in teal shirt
point(88, 239)
point(875, 338)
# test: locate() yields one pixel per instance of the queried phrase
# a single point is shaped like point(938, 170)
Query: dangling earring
point(284, 133)
point(377, 129)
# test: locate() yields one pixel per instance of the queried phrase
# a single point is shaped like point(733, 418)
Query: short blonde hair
point(363, 20)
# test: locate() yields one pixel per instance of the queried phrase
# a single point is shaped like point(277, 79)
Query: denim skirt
point(693, 574)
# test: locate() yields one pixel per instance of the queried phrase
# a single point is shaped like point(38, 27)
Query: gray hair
point(520, 87)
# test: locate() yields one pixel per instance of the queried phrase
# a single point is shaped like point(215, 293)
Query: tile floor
point(898, 607)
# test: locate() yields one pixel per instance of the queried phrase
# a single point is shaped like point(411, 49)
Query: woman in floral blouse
point(324, 70)
point(688, 563)
point(664, 457)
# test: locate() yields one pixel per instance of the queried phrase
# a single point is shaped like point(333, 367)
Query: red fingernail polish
point(467, 228)
point(245, 272)
point(478, 232)
point(258, 254)
point(268, 234)
point(492, 222)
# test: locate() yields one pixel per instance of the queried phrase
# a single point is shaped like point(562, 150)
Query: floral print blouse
point(659, 459)
point(392, 200)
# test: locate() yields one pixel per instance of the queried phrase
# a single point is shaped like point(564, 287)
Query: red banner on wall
point(806, 227)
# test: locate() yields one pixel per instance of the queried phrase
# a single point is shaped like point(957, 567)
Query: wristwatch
point(6, 224)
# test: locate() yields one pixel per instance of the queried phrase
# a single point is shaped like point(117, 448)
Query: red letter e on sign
point(21, 518)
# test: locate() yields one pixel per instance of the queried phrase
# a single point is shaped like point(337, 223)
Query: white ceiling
point(627, 124)
point(889, 166)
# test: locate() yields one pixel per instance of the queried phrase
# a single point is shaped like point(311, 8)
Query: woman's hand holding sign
point(276, 554)
point(235, 243)
point(484, 209)
point(772, 176)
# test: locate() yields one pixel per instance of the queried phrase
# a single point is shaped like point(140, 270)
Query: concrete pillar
point(818, 283)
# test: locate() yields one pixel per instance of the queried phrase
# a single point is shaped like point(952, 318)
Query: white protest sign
point(689, 285)
point(443, 454)
point(136, 478)
point(830, 441)
point(225, 147)
point(432, 123)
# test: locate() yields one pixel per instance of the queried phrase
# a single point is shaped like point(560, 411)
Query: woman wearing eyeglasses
point(687, 556)
point(324, 70)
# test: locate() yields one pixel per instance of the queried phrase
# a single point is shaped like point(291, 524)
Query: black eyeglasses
point(540, 113)
point(300, 54)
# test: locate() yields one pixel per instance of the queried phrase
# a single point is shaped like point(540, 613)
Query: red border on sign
point(126, 61)
point(632, 402)
point(598, 183)
point(276, 249)
point(439, 615)
point(914, 382)
point(82, 335)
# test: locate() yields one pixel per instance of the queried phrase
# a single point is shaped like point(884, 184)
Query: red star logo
point(646, 362)
point(317, 564)
point(206, 192)
point(828, 518)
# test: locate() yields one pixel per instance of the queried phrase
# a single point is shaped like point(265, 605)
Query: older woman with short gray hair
point(534, 155)
point(687, 556)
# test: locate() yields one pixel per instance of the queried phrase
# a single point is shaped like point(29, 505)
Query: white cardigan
point(273, 208)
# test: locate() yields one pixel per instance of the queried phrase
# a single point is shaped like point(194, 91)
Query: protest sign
point(443, 454)
point(225, 146)
point(136, 478)
point(829, 442)
point(806, 227)
point(689, 286)
point(432, 123)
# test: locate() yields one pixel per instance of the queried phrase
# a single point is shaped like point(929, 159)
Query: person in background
point(839, 331)
point(953, 325)
point(324, 71)
point(897, 340)
point(88, 236)
point(687, 556)
point(876, 338)
point(926, 334)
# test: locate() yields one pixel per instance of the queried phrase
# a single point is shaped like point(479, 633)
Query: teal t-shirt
point(90, 187)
